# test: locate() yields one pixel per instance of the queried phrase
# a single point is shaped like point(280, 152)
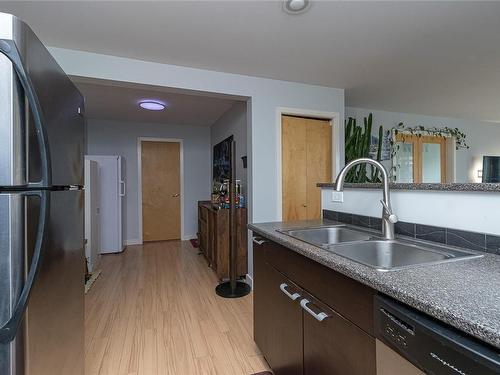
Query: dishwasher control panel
point(395, 330)
point(431, 345)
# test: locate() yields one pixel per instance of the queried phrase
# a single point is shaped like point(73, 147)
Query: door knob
point(304, 205)
point(175, 195)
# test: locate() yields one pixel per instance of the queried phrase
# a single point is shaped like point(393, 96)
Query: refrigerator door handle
point(123, 189)
point(9, 49)
point(8, 330)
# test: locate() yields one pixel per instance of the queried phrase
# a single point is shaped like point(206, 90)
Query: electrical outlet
point(338, 196)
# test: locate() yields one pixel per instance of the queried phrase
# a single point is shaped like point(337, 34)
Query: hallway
point(153, 310)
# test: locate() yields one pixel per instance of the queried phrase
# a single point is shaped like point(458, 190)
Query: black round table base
point(224, 289)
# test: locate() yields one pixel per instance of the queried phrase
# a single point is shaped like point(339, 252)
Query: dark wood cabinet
point(335, 346)
point(343, 294)
point(298, 330)
point(261, 300)
point(277, 319)
point(213, 238)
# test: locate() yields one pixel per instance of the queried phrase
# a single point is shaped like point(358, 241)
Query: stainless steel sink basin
point(386, 255)
point(328, 235)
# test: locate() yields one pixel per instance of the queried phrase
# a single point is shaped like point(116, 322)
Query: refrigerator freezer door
point(61, 107)
point(55, 315)
point(12, 258)
point(122, 199)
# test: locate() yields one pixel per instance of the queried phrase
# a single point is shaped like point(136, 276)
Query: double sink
point(370, 249)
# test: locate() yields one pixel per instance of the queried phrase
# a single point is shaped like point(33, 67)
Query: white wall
point(266, 96)
point(471, 211)
point(233, 122)
point(482, 137)
point(120, 138)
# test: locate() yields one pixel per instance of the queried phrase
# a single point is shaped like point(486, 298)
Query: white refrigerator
point(112, 191)
point(92, 215)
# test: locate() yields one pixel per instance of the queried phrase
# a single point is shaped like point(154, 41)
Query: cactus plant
point(357, 145)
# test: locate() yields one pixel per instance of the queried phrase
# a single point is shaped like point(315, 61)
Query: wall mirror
point(419, 148)
point(428, 108)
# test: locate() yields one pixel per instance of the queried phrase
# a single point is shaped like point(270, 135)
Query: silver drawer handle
point(319, 316)
point(293, 296)
point(258, 242)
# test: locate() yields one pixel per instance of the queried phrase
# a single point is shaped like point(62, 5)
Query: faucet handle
point(393, 218)
point(387, 209)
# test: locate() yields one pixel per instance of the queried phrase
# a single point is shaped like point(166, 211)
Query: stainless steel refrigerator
point(41, 209)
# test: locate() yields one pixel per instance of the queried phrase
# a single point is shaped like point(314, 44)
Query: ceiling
point(109, 100)
point(434, 58)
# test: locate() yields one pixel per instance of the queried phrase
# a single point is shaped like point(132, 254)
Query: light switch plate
point(338, 196)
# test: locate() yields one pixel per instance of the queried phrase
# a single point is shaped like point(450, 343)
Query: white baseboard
point(135, 241)
point(188, 237)
point(249, 280)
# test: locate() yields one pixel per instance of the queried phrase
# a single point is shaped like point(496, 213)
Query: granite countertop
point(464, 294)
point(421, 186)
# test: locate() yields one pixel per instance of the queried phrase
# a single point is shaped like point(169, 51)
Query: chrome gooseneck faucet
point(388, 218)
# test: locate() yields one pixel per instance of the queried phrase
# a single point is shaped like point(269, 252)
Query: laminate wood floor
point(153, 310)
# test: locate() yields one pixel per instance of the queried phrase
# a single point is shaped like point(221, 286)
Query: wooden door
point(161, 200)
point(277, 318)
point(335, 346)
point(306, 160)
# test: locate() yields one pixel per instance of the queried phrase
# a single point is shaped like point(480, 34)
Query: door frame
point(139, 177)
point(337, 144)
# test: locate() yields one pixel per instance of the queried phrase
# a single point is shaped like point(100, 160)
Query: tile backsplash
point(470, 240)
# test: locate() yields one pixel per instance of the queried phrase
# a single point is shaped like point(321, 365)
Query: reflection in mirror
point(423, 149)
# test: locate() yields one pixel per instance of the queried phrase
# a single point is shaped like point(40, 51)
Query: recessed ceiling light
point(296, 6)
point(152, 105)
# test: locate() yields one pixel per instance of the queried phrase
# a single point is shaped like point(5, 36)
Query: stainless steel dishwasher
point(434, 347)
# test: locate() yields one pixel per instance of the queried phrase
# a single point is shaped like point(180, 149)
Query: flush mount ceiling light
point(152, 105)
point(296, 6)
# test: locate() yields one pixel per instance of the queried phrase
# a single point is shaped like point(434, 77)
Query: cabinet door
point(277, 317)
point(221, 243)
point(211, 239)
point(242, 241)
point(334, 345)
point(202, 229)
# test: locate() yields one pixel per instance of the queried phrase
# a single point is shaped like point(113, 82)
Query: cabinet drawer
point(334, 345)
point(348, 297)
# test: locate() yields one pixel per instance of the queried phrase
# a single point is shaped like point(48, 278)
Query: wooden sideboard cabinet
point(213, 238)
